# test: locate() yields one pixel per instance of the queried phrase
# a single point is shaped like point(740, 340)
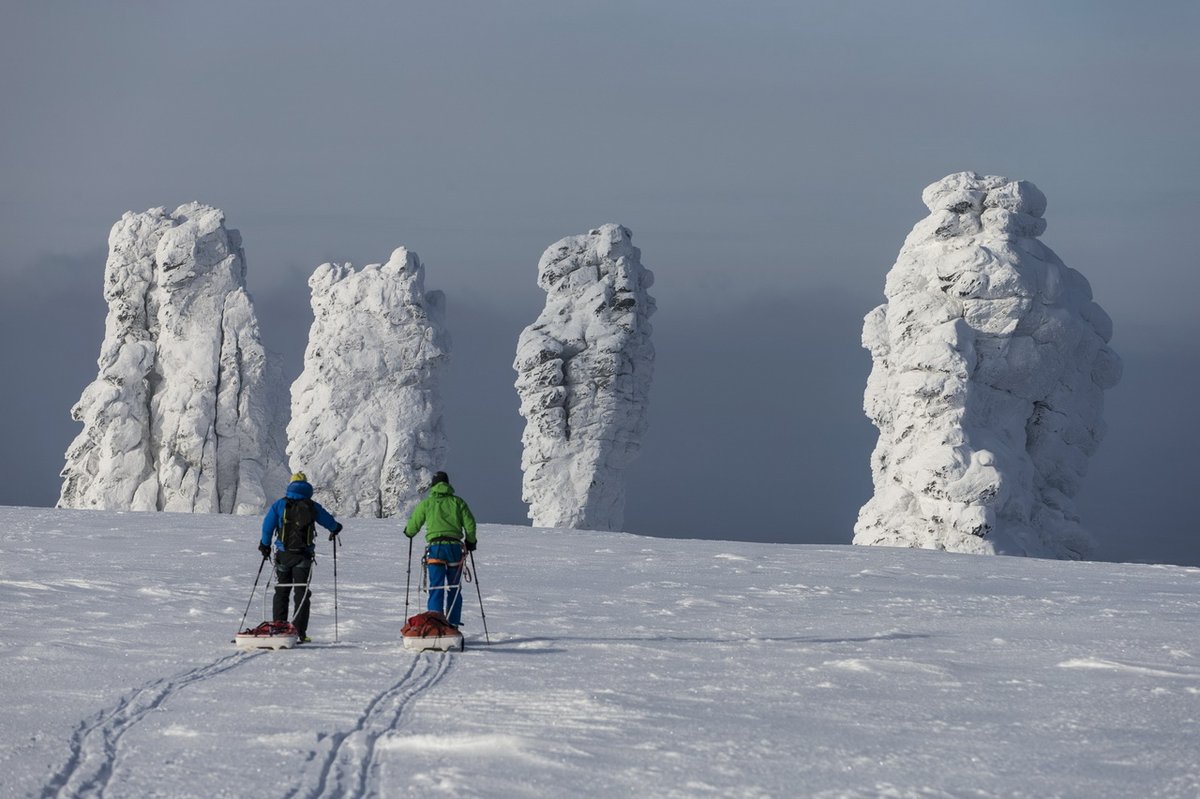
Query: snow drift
point(990, 360)
point(366, 421)
point(584, 370)
point(180, 416)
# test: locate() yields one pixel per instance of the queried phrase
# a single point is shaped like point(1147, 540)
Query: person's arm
point(325, 519)
point(416, 520)
point(270, 523)
point(468, 523)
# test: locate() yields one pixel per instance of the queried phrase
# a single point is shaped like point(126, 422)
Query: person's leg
point(437, 579)
point(283, 575)
point(454, 584)
point(302, 573)
point(454, 588)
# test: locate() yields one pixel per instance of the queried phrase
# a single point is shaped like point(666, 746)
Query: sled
point(430, 631)
point(268, 635)
point(435, 643)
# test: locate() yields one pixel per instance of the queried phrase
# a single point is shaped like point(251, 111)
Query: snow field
point(620, 665)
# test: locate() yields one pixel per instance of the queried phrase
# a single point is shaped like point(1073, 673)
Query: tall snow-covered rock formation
point(583, 375)
point(990, 360)
point(366, 421)
point(181, 416)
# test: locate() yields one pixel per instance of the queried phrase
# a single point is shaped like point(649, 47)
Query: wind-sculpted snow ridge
point(181, 414)
point(583, 375)
point(990, 363)
point(366, 412)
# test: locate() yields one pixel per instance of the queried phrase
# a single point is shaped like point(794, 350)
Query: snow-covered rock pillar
point(583, 375)
point(181, 416)
point(990, 360)
point(366, 412)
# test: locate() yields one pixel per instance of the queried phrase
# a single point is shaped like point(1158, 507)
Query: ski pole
point(336, 541)
point(252, 590)
point(479, 593)
point(408, 578)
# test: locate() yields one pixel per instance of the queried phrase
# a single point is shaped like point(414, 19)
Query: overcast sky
point(768, 156)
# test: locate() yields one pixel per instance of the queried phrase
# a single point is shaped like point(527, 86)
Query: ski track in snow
point(350, 768)
point(96, 742)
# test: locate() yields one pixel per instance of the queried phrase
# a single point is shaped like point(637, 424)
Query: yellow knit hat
point(299, 477)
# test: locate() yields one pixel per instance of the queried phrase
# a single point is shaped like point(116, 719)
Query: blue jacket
point(274, 518)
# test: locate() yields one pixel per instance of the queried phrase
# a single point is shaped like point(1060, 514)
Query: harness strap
point(464, 573)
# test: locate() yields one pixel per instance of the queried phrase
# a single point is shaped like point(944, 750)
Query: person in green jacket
point(449, 527)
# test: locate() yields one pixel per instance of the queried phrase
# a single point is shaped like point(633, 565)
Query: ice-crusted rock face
point(181, 415)
point(990, 360)
point(583, 375)
point(366, 412)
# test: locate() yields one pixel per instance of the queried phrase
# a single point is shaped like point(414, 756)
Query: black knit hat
point(439, 477)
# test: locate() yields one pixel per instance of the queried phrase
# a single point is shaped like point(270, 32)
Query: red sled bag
point(271, 628)
point(430, 624)
point(268, 635)
point(430, 631)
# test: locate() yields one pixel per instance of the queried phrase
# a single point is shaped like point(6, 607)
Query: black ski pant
point(293, 567)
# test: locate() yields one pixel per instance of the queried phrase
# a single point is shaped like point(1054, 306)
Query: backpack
point(299, 525)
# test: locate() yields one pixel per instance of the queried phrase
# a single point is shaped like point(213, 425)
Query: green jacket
point(443, 515)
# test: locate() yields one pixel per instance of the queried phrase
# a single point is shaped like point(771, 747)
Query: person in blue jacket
point(291, 524)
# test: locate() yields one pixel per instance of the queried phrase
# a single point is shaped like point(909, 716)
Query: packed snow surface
point(182, 413)
point(584, 370)
point(990, 360)
point(366, 420)
point(618, 666)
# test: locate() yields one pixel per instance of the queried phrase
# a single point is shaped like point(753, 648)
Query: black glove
point(264, 550)
point(334, 532)
point(471, 546)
